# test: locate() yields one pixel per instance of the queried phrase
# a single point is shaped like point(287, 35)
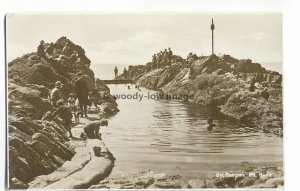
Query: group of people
point(136, 87)
point(53, 54)
point(125, 72)
point(67, 108)
point(163, 58)
point(166, 58)
point(62, 55)
point(81, 90)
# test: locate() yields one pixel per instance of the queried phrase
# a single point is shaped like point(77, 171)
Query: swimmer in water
point(210, 124)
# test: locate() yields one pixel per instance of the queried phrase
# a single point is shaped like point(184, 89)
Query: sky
point(134, 38)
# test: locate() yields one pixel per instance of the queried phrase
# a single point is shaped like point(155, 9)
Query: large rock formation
point(37, 145)
point(33, 69)
point(222, 82)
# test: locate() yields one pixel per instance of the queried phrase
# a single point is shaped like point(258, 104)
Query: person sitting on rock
point(66, 50)
point(210, 124)
point(90, 100)
point(265, 94)
point(74, 55)
point(61, 58)
point(64, 113)
point(95, 97)
point(72, 106)
point(91, 129)
point(252, 86)
point(41, 49)
point(55, 94)
point(50, 51)
point(71, 100)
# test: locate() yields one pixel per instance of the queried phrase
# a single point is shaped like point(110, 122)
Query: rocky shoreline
point(262, 177)
point(40, 152)
point(42, 156)
point(222, 82)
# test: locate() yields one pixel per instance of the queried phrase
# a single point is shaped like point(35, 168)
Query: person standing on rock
point(161, 55)
point(41, 49)
point(73, 108)
point(170, 55)
point(55, 94)
point(82, 92)
point(116, 71)
point(125, 72)
point(154, 61)
point(157, 60)
point(64, 112)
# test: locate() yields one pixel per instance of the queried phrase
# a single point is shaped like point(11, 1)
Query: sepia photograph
point(144, 101)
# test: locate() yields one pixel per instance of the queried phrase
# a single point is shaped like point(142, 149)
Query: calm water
point(170, 136)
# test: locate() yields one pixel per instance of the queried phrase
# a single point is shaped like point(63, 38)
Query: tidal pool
point(170, 136)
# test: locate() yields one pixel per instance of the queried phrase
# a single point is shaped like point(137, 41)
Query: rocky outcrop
point(28, 101)
point(260, 177)
point(36, 145)
point(101, 86)
point(222, 82)
point(33, 69)
point(156, 79)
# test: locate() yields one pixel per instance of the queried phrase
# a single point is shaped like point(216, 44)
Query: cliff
point(221, 82)
point(37, 145)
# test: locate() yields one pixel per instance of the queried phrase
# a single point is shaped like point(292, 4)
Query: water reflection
point(164, 135)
